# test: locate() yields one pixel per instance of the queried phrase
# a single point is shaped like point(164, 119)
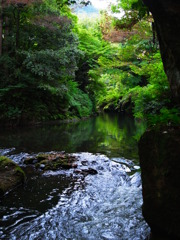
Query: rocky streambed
point(12, 174)
point(74, 196)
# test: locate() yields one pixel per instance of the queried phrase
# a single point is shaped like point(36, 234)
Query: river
point(65, 205)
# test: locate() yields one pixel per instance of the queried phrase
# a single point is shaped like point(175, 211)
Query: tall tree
point(18, 4)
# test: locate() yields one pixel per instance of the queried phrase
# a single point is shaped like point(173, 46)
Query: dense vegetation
point(56, 67)
point(38, 63)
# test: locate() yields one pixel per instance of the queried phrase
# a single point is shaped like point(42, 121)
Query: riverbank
point(15, 124)
point(11, 175)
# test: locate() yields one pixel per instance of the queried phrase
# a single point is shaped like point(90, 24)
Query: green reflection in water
point(111, 134)
point(120, 135)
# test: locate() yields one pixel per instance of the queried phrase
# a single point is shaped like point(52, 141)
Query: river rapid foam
point(106, 205)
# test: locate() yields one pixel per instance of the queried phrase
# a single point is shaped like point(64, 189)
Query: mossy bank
point(11, 175)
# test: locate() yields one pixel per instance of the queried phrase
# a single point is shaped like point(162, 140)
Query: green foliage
point(93, 46)
point(90, 40)
point(4, 161)
point(54, 67)
point(131, 5)
point(36, 74)
point(135, 8)
point(132, 79)
point(165, 117)
point(133, 11)
point(81, 104)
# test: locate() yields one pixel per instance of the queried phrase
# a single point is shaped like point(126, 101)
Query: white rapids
point(102, 206)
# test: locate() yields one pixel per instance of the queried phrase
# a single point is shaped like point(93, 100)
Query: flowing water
point(67, 204)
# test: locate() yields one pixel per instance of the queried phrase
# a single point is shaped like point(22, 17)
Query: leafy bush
point(80, 104)
point(165, 117)
point(132, 78)
point(39, 66)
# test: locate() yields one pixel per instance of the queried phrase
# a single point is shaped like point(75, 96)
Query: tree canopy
point(54, 66)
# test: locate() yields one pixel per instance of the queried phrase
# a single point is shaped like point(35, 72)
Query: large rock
point(166, 14)
point(52, 161)
point(159, 152)
point(11, 175)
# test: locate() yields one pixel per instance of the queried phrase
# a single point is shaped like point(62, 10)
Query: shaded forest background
point(56, 66)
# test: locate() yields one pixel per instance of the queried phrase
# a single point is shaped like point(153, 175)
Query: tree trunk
point(166, 16)
point(159, 147)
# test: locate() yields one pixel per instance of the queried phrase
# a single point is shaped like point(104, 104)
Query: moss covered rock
point(11, 175)
point(52, 161)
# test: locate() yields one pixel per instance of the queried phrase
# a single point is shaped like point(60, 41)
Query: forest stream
point(66, 204)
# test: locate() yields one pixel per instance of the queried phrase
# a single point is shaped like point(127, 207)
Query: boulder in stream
point(52, 161)
point(159, 151)
point(11, 175)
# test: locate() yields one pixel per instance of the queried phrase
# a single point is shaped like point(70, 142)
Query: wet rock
point(41, 157)
point(90, 171)
point(42, 166)
point(84, 163)
point(30, 160)
point(100, 168)
point(74, 165)
point(77, 171)
point(86, 172)
point(52, 161)
point(159, 152)
point(11, 175)
point(94, 162)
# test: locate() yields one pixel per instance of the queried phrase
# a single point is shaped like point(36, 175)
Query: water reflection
point(111, 134)
point(65, 206)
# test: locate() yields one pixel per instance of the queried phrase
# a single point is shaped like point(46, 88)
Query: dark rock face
point(159, 152)
point(166, 15)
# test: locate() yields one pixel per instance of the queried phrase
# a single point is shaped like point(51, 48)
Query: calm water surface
point(112, 135)
point(65, 205)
